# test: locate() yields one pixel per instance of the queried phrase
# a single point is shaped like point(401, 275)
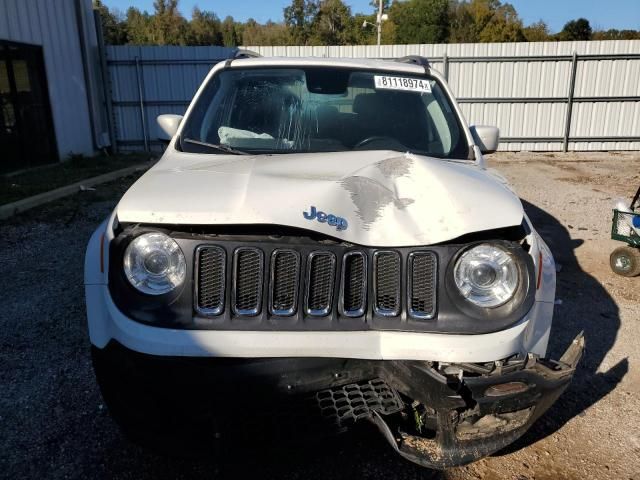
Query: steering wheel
point(374, 138)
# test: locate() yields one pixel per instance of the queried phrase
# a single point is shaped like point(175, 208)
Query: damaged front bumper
point(436, 415)
point(480, 410)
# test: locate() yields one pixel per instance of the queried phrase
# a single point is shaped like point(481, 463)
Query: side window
point(205, 111)
point(443, 119)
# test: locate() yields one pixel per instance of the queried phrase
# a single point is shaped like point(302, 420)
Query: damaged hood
point(374, 198)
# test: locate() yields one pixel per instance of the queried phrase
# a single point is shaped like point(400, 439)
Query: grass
point(31, 182)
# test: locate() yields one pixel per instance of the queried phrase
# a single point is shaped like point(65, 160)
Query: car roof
point(360, 63)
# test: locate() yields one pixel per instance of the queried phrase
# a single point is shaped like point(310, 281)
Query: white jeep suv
point(321, 240)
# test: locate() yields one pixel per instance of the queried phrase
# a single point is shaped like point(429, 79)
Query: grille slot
point(285, 272)
point(422, 285)
point(354, 284)
point(386, 268)
point(320, 281)
point(247, 276)
point(210, 285)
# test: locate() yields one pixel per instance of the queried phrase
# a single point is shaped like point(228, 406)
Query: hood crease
point(387, 198)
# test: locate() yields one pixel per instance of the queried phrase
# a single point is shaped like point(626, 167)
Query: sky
point(602, 14)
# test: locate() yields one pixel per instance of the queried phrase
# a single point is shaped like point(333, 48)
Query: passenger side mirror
point(485, 137)
point(168, 124)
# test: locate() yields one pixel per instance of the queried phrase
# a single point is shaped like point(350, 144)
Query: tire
point(625, 261)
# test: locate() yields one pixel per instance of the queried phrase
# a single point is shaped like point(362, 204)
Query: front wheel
point(625, 261)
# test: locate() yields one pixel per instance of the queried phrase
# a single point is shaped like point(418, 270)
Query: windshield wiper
point(220, 147)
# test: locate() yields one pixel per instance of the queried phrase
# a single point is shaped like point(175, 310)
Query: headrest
point(327, 111)
point(366, 103)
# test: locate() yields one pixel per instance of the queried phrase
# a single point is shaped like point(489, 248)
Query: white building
point(51, 91)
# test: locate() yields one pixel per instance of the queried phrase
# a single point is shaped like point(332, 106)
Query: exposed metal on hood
point(386, 197)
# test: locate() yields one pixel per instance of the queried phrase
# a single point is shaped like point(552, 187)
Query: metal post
point(143, 119)
point(445, 66)
point(88, 81)
point(572, 87)
point(106, 90)
point(379, 22)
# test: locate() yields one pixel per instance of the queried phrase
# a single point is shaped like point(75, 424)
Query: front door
point(27, 138)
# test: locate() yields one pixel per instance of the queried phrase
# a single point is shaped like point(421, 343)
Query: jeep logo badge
point(333, 220)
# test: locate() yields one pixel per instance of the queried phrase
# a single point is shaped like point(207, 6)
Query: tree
point(137, 26)
point(579, 29)
point(204, 28)
point(385, 5)
point(614, 34)
point(298, 17)
point(462, 26)
point(168, 26)
point(485, 21)
point(332, 24)
point(537, 32)
point(420, 21)
point(230, 34)
point(504, 26)
point(114, 29)
point(270, 33)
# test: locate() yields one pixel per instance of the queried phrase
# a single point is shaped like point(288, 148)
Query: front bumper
point(107, 323)
point(437, 415)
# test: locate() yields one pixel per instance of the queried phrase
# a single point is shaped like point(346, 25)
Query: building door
point(27, 138)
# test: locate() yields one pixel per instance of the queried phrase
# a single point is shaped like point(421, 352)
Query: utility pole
point(381, 17)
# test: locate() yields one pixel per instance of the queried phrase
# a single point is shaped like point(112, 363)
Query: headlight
point(487, 275)
point(154, 264)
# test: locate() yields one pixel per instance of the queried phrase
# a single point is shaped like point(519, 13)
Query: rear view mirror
point(168, 124)
point(485, 137)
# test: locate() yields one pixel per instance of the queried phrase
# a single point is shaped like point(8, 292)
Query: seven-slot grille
point(307, 283)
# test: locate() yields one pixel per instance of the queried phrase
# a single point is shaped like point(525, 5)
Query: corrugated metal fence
point(542, 96)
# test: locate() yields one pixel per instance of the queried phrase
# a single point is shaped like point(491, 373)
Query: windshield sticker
point(402, 83)
point(330, 219)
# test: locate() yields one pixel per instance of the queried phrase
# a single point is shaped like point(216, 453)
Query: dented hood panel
point(387, 198)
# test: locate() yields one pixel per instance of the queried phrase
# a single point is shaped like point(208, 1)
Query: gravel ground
point(53, 423)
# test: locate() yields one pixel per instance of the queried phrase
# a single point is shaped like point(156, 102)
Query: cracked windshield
point(328, 110)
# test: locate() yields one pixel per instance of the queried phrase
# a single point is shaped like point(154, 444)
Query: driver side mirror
point(168, 124)
point(485, 137)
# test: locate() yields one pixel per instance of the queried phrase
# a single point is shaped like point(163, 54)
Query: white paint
point(487, 138)
point(107, 322)
point(388, 199)
point(168, 124)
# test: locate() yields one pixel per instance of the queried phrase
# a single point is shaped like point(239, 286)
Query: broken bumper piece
point(482, 411)
point(436, 415)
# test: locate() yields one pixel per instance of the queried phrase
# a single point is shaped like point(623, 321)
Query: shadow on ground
point(586, 306)
point(362, 453)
